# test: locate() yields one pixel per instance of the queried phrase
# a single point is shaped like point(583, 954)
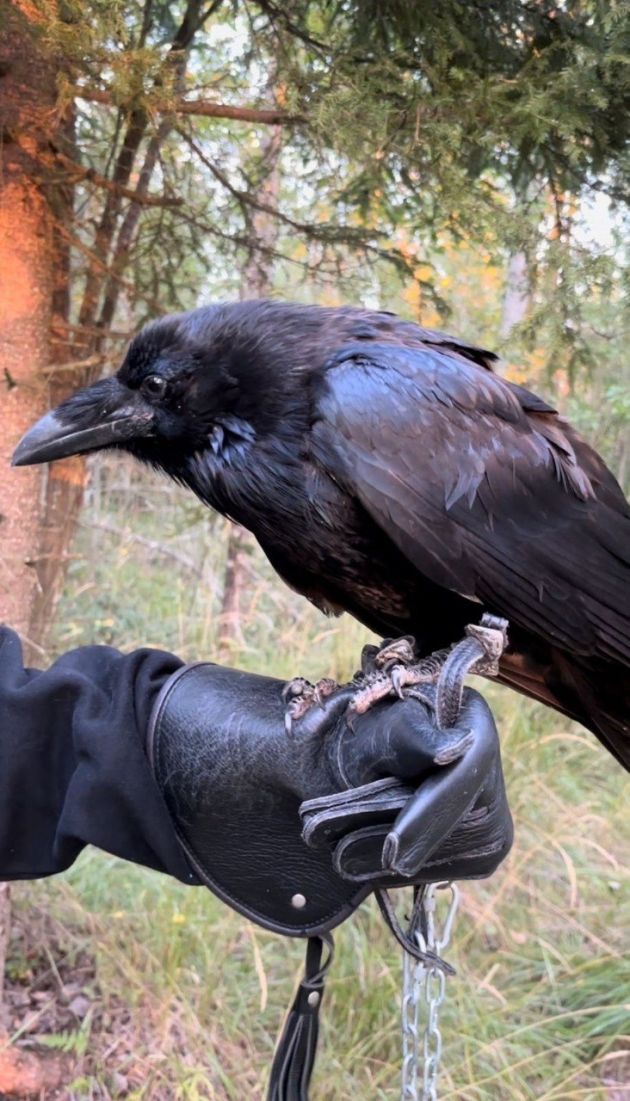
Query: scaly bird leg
point(388, 669)
point(393, 669)
point(491, 633)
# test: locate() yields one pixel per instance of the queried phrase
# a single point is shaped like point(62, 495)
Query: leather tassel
point(295, 1052)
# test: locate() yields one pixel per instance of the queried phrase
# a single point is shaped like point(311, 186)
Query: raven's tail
point(594, 692)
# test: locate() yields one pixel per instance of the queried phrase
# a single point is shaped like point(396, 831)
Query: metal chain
point(423, 993)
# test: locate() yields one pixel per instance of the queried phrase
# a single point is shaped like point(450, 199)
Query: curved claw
point(351, 717)
point(323, 690)
point(323, 714)
point(492, 636)
point(368, 658)
point(396, 651)
point(396, 678)
point(424, 694)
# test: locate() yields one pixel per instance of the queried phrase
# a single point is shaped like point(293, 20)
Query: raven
point(386, 470)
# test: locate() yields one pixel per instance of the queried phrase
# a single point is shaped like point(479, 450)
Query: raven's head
point(175, 397)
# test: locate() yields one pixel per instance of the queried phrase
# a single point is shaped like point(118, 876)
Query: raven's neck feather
point(242, 474)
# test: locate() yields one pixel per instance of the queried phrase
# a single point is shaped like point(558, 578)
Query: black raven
point(387, 471)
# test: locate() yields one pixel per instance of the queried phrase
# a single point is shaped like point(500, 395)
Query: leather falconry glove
point(294, 831)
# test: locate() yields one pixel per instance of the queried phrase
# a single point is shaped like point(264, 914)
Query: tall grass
point(187, 997)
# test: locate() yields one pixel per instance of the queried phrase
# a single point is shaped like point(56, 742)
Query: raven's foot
point(478, 653)
point(381, 671)
point(491, 633)
point(393, 669)
point(300, 696)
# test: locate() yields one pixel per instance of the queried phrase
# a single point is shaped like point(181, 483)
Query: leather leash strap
point(295, 1053)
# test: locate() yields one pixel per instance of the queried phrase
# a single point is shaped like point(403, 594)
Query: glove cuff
point(241, 831)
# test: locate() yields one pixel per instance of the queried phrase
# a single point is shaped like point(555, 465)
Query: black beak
point(102, 415)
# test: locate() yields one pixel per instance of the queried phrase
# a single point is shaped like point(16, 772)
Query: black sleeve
point(73, 770)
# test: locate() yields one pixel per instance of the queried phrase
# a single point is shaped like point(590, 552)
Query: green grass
point(188, 997)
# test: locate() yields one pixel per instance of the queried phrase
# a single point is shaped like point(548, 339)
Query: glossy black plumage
point(387, 471)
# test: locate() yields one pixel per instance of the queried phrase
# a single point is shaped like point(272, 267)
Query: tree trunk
point(256, 283)
point(229, 633)
point(27, 100)
point(27, 117)
point(5, 922)
point(64, 481)
point(517, 294)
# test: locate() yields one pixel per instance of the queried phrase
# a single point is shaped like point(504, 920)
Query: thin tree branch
point(129, 225)
point(147, 14)
point(79, 172)
point(205, 15)
point(326, 233)
point(280, 15)
point(323, 232)
point(74, 365)
point(268, 116)
point(102, 266)
point(152, 544)
point(128, 229)
point(86, 330)
point(136, 127)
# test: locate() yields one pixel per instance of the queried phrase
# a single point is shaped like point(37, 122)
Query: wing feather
point(484, 489)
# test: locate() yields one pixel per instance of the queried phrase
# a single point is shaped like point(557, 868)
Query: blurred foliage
point(412, 130)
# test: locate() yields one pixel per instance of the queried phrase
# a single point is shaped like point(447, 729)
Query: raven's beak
point(102, 415)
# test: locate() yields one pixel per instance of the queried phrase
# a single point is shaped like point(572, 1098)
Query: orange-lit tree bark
point(256, 283)
point(27, 113)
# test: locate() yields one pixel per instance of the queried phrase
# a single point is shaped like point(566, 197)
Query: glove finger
point(416, 744)
point(442, 800)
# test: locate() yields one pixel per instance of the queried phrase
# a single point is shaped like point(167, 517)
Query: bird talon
point(492, 635)
point(392, 669)
point(295, 688)
point(397, 682)
point(300, 697)
point(323, 690)
point(351, 716)
point(395, 651)
point(449, 753)
point(368, 660)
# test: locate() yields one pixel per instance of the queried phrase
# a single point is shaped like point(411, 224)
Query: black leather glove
point(294, 831)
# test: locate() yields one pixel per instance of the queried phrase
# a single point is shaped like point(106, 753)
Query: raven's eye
point(154, 386)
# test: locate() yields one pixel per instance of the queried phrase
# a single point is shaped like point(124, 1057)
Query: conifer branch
point(268, 116)
point(80, 172)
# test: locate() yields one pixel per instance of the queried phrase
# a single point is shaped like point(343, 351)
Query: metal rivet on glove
point(298, 902)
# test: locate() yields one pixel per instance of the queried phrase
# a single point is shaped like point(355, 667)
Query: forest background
point(463, 164)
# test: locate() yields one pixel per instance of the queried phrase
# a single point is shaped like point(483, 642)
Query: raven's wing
point(483, 488)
